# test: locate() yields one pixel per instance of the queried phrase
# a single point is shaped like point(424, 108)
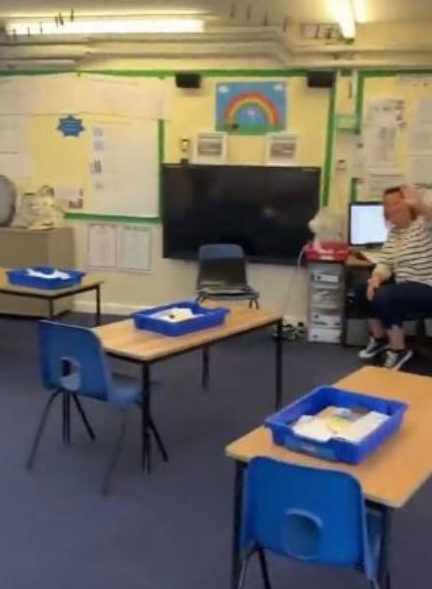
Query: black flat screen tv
point(264, 209)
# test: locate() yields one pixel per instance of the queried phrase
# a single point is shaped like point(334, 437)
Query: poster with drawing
point(251, 108)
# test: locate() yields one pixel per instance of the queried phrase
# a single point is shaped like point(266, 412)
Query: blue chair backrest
point(220, 251)
point(309, 514)
point(72, 359)
point(221, 264)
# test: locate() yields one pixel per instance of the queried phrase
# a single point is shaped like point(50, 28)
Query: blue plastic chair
point(309, 514)
point(222, 274)
point(73, 365)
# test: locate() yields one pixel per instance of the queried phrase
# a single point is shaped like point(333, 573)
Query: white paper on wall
point(101, 245)
point(420, 140)
point(16, 166)
point(385, 112)
point(71, 94)
point(123, 96)
point(124, 168)
point(378, 180)
point(14, 134)
point(134, 248)
point(211, 147)
point(11, 93)
point(53, 94)
point(420, 170)
point(15, 161)
point(381, 146)
point(281, 149)
point(40, 95)
point(423, 110)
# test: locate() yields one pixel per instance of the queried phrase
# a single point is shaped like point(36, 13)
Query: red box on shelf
point(327, 251)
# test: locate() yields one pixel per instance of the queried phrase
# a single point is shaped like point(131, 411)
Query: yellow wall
point(61, 162)
point(65, 163)
point(192, 111)
point(57, 160)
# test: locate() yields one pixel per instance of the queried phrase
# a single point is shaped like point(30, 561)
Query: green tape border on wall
point(328, 159)
point(210, 73)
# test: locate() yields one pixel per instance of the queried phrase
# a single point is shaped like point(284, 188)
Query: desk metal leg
point(50, 309)
point(98, 306)
point(240, 468)
point(66, 419)
point(278, 365)
point(384, 559)
point(205, 367)
point(384, 565)
point(145, 418)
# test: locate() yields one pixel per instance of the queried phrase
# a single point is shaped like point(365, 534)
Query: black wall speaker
point(320, 79)
point(188, 80)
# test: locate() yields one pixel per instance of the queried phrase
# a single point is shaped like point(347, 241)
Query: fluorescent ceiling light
point(359, 7)
point(343, 13)
point(104, 26)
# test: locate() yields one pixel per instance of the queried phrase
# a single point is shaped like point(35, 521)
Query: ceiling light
point(104, 26)
point(359, 7)
point(343, 13)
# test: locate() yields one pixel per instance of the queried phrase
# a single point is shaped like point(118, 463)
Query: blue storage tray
point(20, 277)
point(207, 318)
point(335, 449)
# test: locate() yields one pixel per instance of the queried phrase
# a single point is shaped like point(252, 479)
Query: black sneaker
point(395, 359)
point(374, 347)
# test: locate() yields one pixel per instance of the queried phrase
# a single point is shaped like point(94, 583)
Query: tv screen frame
point(188, 253)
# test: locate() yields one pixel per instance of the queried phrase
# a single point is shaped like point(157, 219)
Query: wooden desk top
point(123, 339)
point(358, 261)
point(88, 281)
point(392, 474)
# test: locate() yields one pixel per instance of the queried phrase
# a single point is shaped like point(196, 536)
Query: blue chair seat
point(124, 390)
point(204, 294)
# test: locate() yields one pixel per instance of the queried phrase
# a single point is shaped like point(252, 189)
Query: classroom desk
point(88, 283)
point(389, 477)
point(122, 340)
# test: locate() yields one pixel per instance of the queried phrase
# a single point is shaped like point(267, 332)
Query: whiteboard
point(112, 162)
point(124, 168)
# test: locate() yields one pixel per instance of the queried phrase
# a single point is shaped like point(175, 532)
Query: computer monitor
point(367, 226)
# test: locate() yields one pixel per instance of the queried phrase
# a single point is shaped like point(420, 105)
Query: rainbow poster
point(251, 108)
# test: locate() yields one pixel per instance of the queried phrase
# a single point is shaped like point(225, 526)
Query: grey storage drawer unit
point(325, 309)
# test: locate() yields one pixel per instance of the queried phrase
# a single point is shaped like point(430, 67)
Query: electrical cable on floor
point(291, 331)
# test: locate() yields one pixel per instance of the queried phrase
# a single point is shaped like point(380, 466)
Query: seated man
point(401, 283)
